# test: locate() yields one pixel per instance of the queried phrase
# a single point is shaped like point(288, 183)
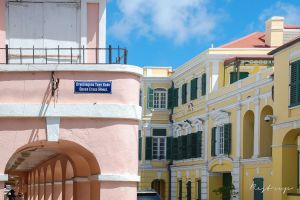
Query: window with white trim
point(160, 98)
point(159, 148)
point(220, 140)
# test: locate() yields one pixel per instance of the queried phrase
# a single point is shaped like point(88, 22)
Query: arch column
point(68, 190)
point(82, 189)
point(256, 129)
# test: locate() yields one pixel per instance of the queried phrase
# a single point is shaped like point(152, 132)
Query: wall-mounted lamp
point(269, 117)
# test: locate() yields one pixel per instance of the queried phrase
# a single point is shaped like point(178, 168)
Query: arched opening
point(159, 186)
point(57, 184)
point(266, 132)
point(248, 134)
point(51, 168)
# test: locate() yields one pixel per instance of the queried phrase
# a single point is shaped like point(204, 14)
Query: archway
point(159, 186)
point(266, 132)
point(52, 168)
point(248, 134)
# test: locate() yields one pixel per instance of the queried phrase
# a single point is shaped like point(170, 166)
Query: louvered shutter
point(294, 84)
point(148, 148)
point(175, 98)
point(213, 141)
point(194, 145)
point(184, 93)
point(175, 149)
point(233, 77)
point(244, 75)
point(227, 138)
point(170, 98)
point(189, 146)
point(184, 147)
point(199, 144)
point(169, 148)
point(194, 88)
point(203, 84)
point(150, 98)
point(179, 152)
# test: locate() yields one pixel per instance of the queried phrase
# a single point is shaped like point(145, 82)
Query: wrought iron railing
point(63, 55)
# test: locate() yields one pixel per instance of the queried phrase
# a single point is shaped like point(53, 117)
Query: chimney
point(274, 31)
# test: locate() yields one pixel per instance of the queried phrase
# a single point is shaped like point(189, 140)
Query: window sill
point(294, 106)
point(160, 109)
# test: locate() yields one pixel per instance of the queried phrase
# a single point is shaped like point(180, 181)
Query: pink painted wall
point(35, 88)
point(2, 30)
point(92, 29)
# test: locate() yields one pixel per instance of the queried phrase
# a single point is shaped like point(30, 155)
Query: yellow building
point(225, 120)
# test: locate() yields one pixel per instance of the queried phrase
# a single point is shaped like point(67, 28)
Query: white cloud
point(177, 20)
point(287, 10)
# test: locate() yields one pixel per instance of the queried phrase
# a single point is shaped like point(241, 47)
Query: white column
point(179, 95)
point(102, 29)
point(256, 129)
point(236, 179)
point(206, 139)
point(173, 184)
point(238, 132)
point(188, 91)
point(199, 87)
point(207, 81)
point(215, 76)
point(204, 182)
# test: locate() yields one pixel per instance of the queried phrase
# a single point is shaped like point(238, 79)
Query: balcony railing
point(63, 55)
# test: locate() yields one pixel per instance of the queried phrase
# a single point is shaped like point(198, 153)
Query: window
point(194, 83)
point(160, 98)
point(221, 140)
point(203, 84)
point(295, 84)
point(234, 78)
point(184, 93)
point(159, 148)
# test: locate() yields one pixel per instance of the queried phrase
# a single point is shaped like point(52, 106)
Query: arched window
point(160, 98)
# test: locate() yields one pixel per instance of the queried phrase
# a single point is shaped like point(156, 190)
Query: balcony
point(63, 55)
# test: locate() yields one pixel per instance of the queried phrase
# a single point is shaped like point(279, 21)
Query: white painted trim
point(83, 23)
point(102, 30)
point(69, 181)
point(72, 110)
point(156, 79)
point(261, 160)
point(81, 179)
point(74, 67)
point(290, 124)
point(116, 177)
point(57, 183)
point(53, 129)
point(3, 177)
point(48, 184)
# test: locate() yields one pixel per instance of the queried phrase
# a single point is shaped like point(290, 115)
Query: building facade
point(65, 107)
point(225, 122)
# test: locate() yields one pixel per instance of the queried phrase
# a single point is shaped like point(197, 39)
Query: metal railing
point(63, 55)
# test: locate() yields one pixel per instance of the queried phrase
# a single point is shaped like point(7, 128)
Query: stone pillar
point(48, 191)
point(256, 128)
point(41, 191)
point(69, 190)
point(204, 182)
point(236, 179)
point(57, 190)
point(36, 190)
point(82, 189)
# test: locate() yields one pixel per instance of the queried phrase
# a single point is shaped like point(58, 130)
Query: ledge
point(72, 110)
point(72, 67)
point(116, 177)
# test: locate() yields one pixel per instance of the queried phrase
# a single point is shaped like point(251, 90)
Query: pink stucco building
point(69, 110)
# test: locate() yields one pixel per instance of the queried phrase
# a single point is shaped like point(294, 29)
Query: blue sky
point(170, 32)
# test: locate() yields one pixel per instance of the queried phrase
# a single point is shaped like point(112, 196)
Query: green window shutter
point(179, 155)
point(140, 145)
point(244, 75)
point(203, 84)
point(259, 184)
point(175, 98)
point(198, 189)
point(233, 77)
point(150, 98)
point(169, 148)
point(170, 98)
point(194, 145)
point(227, 182)
point(189, 190)
point(184, 147)
point(184, 93)
point(213, 141)
point(174, 148)
point(180, 190)
point(227, 138)
point(189, 146)
point(294, 84)
point(194, 88)
point(159, 132)
point(199, 144)
point(148, 148)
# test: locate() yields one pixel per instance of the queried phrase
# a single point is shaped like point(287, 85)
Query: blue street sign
point(92, 87)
